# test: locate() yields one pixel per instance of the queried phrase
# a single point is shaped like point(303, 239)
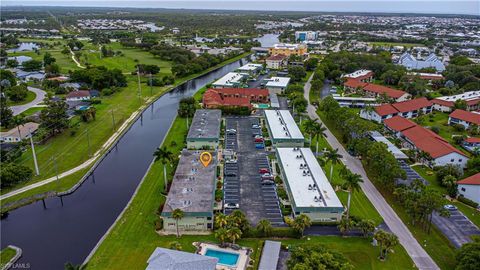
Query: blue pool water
point(226, 258)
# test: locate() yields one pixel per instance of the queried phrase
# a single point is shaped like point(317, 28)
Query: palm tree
point(367, 226)
point(221, 235)
point(18, 121)
point(308, 127)
point(300, 223)
point(345, 225)
point(318, 131)
point(237, 219)
point(265, 227)
point(175, 245)
point(165, 156)
point(233, 234)
point(351, 184)
point(71, 266)
point(386, 241)
point(177, 214)
point(221, 220)
point(334, 157)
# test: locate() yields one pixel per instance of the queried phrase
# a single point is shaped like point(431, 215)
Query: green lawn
point(6, 255)
point(63, 60)
point(440, 120)
point(32, 110)
point(29, 98)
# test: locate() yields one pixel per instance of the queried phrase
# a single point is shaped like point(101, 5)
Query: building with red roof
point(234, 97)
point(374, 90)
point(472, 144)
point(407, 109)
point(447, 103)
point(422, 139)
point(470, 188)
point(276, 61)
point(78, 95)
point(464, 118)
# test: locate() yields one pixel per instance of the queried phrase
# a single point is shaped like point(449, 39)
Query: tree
point(17, 93)
point(175, 245)
point(12, 63)
point(177, 214)
point(9, 76)
point(89, 114)
point(220, 220)
point(351, 184)
point(386, 241)
point(297, 73)
point(148, 69)
point(345, 225)
point(165, 156)
point(32, 65)
point(333, 157)
point(311, 63)
point(234, 234)
point(53, 117)
point(366, 226)
point(308, 127)
point(308, 256)
point(449, 169)
point(468, 256)
point(237, 219)
point(265, 227)
point(460, 104)
point(12, 174)
point(300, 223)
point(187, 107)
point(6, 114)
point(222, 235)
point(48, 59)
point(18, 120)
point(52, 69)
point(450, 182)
point(473, 165)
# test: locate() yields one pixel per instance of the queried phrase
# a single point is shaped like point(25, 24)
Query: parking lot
point(457, 228)
point(243, 179)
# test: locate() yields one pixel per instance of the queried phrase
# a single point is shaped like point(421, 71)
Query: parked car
point(255, 126)
point(231, 131)
point(264, 171)
point(232, 206)
point(230, 173)
point(230, 161)
point(259, 140)
point(259, 145)
point(268, 182)
point(450, 207)
point(267, 176)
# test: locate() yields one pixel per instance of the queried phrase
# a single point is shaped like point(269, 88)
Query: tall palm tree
point(308, 127)
point(165, 156)
point(237, 219)
point(234, 234)
point(300, 223)
point(345, 225)
point(18, 120)
point(351, 184)
point(367, 226)
point(177, 214)
point(333, 157)
point(318, 131)
point(221, 235)
point(221, 220)
point(265, 227)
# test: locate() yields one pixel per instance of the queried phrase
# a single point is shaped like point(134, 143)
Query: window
point(452, 160)
point(460, 160)
point(463, 189)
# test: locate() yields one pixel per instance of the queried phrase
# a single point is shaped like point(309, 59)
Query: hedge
point(467, 201)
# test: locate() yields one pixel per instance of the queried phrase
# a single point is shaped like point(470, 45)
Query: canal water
point(68, 229)
point(268, 40)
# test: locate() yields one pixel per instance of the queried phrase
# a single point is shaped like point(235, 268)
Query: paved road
point(419, 256)
point(40, 95)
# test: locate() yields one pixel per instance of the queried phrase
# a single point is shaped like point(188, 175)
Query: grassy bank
point(6, 255)
point(29, 98)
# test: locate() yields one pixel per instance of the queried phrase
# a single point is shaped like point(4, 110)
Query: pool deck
point(242, 258)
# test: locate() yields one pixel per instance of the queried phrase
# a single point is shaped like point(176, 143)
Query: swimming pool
point(225, 258)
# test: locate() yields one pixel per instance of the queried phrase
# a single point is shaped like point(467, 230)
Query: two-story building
point(407, 109)
point(204, 132)
point(464, 118)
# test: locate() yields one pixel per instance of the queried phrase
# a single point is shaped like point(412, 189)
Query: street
point(40, 95)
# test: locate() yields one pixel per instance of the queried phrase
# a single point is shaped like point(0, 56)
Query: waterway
point(268, 40)
point(67, 230)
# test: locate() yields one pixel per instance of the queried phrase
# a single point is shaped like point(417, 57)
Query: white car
point(450, 207)
point(231, 131)
point(231, 161)
point(255, 126)
point(232, 206)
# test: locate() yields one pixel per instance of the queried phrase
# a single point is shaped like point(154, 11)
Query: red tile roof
point(472, 180)
point(472, 102)
point(380, 89)
point(385, 109)
point(353, 83)
point(412, 105)
point(242, 96)
point(466, 116)
point(398, 123)
point(443, 102)
point(472, 140)
point(428, 141)
point(277, 57)
point(78, 94)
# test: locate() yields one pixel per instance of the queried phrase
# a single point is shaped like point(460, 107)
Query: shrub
point(436, 129)
point(467, 201)
point(159, 224)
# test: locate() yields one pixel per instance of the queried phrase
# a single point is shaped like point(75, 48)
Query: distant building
point(305, 35)
point(374, 90)
point(277, 84)
point(307, 186)
point(283, 130)
point(192, 191)
point(168, 259)
point(447, 103)
point(430, 77)
point(407, 109)
point(288, 49)
point(362, 75)
point(276, 61)
point(464, 118)
point(230, 80)
point(250, 68)
point(78, 95)
point(19, 133)
point(472, 144)
point(204, 131)
point(411, 63)
point(234, 97)
point(470, 188)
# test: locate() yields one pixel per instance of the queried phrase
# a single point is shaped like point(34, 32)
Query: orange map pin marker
point(205, 158)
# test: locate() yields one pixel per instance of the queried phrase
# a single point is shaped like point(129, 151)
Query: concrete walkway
point(40, 95)
point(419, 256)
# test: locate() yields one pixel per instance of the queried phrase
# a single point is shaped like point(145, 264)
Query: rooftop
point(380, 89)
point(168, 259)
point(270, 255)
point(277, 82)
point(193, 185)
point(472, 180)
point(277, 57)
point(205, 124)
point(25, 130)
point(229, 79)
point(465, 96)
point(397, 153)
point(398, 123)
point(79, 93)
point(282, 125)
point(250, 67)
point(470, 117)
point(359, 74)
point(288, 46)
point(306, 180)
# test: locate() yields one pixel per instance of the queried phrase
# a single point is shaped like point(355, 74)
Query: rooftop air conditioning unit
point(309, 187)
point(316, 199)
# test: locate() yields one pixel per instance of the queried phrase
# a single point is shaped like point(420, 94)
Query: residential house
point(374, 90)
point(407, 109)
point(19, 133)
point(234, 97)
point(470, 188)
point(472, 144)
point(277, 84)
point(447, 103)
point(79, 95)
point(169, 259)
point(277, 61)
point(464, 118)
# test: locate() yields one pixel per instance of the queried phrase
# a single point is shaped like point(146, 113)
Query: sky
point(470, 7)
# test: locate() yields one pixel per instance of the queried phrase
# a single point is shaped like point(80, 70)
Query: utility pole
point(37, 171)
point(89, 149)
point(138, 78)
point(113, 120)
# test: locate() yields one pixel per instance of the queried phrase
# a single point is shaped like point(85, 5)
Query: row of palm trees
point(230, 227)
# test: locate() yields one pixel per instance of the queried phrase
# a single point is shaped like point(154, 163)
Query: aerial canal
point(66, 230)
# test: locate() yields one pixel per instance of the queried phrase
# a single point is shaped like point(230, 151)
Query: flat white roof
point(309, 189)
point(282, 125)
point(425, 74)
point(464, 96)
point(358, 73)
point(397, 153)
point(277, 82)
point(288, 46)
point(250, 67)
point(229, 79)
